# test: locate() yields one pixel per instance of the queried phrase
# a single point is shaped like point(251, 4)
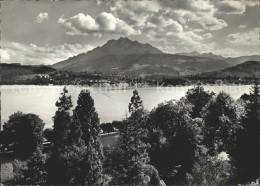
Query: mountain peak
point(124, 45)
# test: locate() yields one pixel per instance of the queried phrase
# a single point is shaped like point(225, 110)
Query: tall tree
point(246, 154)
point(130, 164)
point(221, 123)
point(198, 97)
point(79, 160)
point(86, 116)
point(62, 120)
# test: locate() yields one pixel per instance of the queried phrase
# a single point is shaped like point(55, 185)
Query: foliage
point(117, 124)
point(130, 157)
point(17, 171)
point(35, 171)
point(48, 134)
point(198, 97)
point(69, 165)
point(246, 152)
point(24, 133)
point(173, 139)
point(210, 170)
point(9, 127)
point(62, 120)
point(88, 120)
point(107, 127)
point(221, 123)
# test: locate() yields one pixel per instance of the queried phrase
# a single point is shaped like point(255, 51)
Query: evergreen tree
point(221, 123)
point(87, 118)
point(246, 154)
point(62, 120)
point(131, 152)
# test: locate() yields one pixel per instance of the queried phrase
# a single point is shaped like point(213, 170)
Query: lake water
point(110, 104)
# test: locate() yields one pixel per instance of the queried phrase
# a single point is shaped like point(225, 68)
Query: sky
point(46, 32)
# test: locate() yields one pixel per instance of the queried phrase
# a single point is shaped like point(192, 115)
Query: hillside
point(124, 56)
point(248, 68)
point(13, 72)
point(231, 60)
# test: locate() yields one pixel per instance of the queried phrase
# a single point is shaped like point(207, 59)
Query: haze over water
point(110, 104)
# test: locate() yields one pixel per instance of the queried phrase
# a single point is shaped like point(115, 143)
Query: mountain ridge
point(124, 56)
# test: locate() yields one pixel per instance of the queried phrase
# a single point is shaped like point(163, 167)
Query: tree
point(130, 157)
point(173, 136)
point(246, 153)
point(79, 161)
point(198, 97)
point(24, 132)
point(9, 127)
point(48, 134)
point(221, 123)
point(62, 120)
point(68, 165)
point(88, 120)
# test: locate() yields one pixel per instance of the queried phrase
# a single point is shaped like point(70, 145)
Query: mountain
point(194, 53)
point(248, 68)
point(231, 60)
point(238, 60)
point(15, 71)
point(124, 56)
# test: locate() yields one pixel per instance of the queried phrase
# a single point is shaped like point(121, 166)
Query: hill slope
point(248, 68)
point(124, 56)
point(12, 72)
point(231, 60)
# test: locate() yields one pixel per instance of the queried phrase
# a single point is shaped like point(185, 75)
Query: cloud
point(242, 26)
point(82, 24)
point(231, 7)
point(247, 38)
point(212, 23)
point(13, 52)
point(41, 17)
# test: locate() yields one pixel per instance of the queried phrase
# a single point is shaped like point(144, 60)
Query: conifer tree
point(87, 118)
point(62, 120)
point(131, 152)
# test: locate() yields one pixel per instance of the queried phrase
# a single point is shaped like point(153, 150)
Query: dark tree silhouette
point(28, 134)
point(129, 165)
point(246, 154)
point(221, 123)
point(62, 120)
point(87, 117)
point(198, 97)
point(173, 136)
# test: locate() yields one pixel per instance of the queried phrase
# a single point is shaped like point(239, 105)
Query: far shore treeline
point(17, 74)
point(203, 138)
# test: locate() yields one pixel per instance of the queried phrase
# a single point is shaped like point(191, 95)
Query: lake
point(110, 104)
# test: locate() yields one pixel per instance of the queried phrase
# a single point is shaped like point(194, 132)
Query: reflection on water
point(111, 104)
